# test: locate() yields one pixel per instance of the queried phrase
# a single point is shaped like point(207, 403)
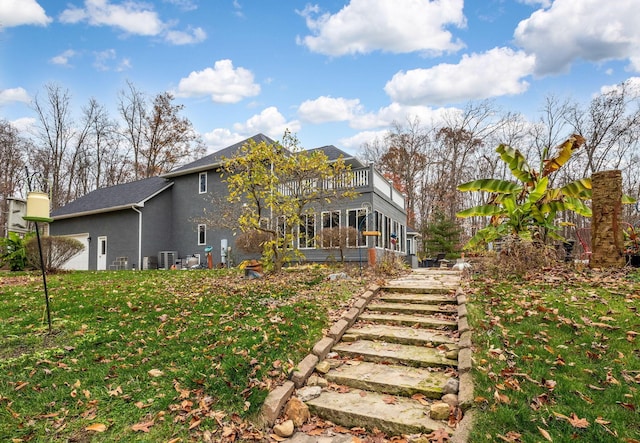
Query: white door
point(102, 254)
point(79, 262)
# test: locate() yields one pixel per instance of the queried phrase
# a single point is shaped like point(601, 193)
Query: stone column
point(606, 232)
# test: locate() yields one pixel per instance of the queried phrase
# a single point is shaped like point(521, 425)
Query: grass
point(557, 357)
point(153, 356)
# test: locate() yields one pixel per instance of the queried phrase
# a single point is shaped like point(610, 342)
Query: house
point(152, 222)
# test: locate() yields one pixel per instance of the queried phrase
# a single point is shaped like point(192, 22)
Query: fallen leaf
point(276, 437)
point(96, 427)
point(390, 399)
point(155, 372)
point(143, 426)
point(545, 434)
point(20, 385)
point(438, 436)
point(578, 422)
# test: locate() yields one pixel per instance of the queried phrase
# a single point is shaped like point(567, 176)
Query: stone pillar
point(606, 232)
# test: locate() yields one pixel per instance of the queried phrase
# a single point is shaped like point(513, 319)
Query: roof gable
point(213, 160)
point(114, 198)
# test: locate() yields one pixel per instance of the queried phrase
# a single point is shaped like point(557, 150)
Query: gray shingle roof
point(113, 198)
point(334, 153)
point(214, 159)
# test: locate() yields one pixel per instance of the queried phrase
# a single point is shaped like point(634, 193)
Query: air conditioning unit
point(166, 259)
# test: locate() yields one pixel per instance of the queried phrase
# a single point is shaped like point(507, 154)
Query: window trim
point(330, 215)
point(304, 222)
point(361, 240)
point(200, 183)
point(202, 234)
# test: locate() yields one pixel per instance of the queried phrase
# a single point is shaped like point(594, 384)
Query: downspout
point(139, 236)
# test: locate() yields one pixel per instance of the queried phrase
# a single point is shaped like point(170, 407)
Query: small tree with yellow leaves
point(277, 185)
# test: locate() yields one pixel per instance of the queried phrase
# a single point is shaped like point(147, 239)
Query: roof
point(213, 160)
point(113, 198)
point(334, 154)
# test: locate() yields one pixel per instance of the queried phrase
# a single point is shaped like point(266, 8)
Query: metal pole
point(44, 272)
point(44, 277)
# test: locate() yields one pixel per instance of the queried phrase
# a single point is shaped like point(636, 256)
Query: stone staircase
point(396, 360)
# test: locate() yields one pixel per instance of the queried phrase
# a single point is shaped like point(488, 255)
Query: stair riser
point(407, 391)
point(419, 290)
point(423, 323)
point(411, 309)
point(417, 363)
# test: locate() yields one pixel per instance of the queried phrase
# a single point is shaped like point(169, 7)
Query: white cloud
point(63, 58)
point(632, 86)
point(587, 29)
point(497, 72)
point(190, 36)
point(22, 12)
point(396, 112)
point(24, 124)
point(221, 138)
point(397, 26)
point(328, 109)
point(355, 142)
point(14, 95)
point(222, 82)
point(269, 122)
point(132, 17)
point(536, 3)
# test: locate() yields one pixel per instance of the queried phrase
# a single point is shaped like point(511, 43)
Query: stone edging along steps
point(398, 361)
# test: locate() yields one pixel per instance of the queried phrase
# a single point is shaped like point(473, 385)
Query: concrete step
point(412, 308)
point(420, 288)
point(409, 320)
point(383, 352)
point(370, 410)
point(397, 334)
point(408, 297)
point(389, 379)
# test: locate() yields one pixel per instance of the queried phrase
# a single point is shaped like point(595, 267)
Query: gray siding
point(120, 228)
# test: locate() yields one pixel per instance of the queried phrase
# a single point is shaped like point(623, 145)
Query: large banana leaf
point(576, 205)
point(538, 192)
point(517, 163)
point(564, 152)
point(491, 185)
point(578, 189)
point(482, 211)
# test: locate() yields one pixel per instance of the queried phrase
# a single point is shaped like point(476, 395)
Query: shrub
point(13, 252)
point(56, 251)
point(519, 257)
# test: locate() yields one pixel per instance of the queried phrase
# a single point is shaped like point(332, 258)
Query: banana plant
point(528, 206)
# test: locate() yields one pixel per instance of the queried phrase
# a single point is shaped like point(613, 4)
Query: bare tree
point(55, 133)
point(12, 160)
point(160, 138)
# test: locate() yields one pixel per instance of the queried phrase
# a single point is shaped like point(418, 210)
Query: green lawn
point(153, 355)
point(557, 357)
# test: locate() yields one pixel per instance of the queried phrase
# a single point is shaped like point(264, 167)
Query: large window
point(307, 232)
point(330, 220)
point(379, 226)
point(202, 180)
point(356, 219)
point(202, 234)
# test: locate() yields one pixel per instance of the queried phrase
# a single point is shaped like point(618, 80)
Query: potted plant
point(632, 246)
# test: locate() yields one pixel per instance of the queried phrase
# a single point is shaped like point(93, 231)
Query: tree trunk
point(606, 231)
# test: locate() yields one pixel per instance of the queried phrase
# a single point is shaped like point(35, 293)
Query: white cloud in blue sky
point(22, 12)
point(364, 26)
point(335, 72)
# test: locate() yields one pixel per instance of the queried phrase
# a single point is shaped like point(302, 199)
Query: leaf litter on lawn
point(191, 352)
point(544, 342)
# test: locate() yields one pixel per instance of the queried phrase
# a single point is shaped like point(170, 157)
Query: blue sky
point(333, 72)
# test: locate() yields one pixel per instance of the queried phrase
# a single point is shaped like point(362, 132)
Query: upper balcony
point(361, 180)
